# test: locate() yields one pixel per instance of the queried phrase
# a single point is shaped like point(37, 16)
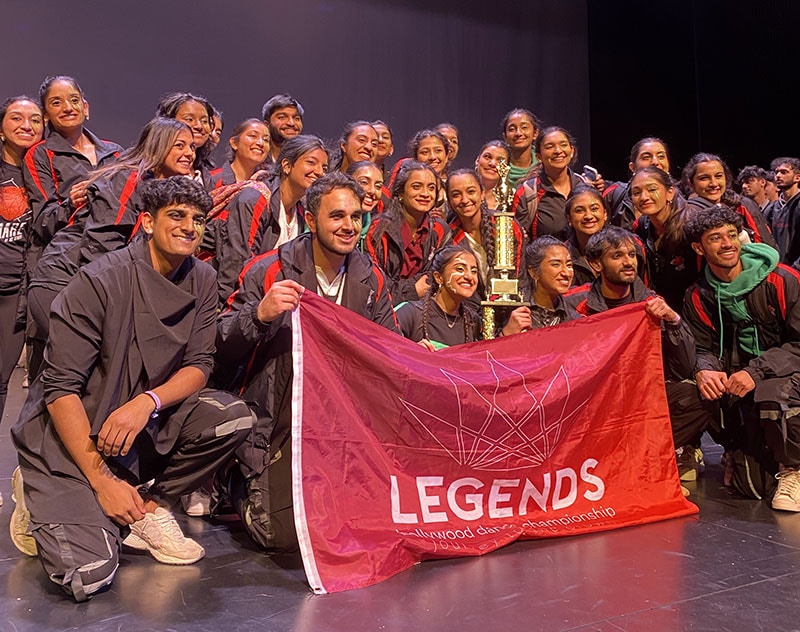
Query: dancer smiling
point(443, 318)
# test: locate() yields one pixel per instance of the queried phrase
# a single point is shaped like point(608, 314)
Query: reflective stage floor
point(736, 566)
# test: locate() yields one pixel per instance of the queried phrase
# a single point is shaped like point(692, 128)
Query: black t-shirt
point(442, 328)
point(15, 214)
point(611, 303)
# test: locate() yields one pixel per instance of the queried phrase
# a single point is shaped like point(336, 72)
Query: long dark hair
point(442, 258)
point(535, 120)
point(637, 147)
point(239, 130)
point(673, 240)
point(337, 153)
point(293, 149)
point(394, 214)
point(168, 107)
point(413, 144)
point(553, 129)
point(729, 196)
point(487, 226)
point(12, 100)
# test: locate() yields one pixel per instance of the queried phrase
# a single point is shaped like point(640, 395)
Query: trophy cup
point(503, 286)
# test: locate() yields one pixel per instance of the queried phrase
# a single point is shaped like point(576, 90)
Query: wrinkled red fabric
point(401, 454)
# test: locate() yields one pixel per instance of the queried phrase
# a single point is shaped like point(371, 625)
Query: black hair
point(440, 260)
point(171, 102)
point(496, 142)
point(537, 249)
point(158, 194)
point(394, 214)
point(637, 147)
point(442, 126)
point(537, 123)
point(239, 130)
point(48, 81)
point(293, 149)
point(355, 166)
point(421, 135)
point(404, 173)
point(748, 172)
point(8, 102)
point(168, 107)
point(580, 189)
point(553, 129)
point(327, 183)
point(487, 226)
point(729, 196)
point(609, 237)
point(279, 101)
point(385, 124)
point(794, 163)
point(337, 153)
point(708, 219)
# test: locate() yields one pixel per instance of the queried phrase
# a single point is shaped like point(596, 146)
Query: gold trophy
point(504, 285)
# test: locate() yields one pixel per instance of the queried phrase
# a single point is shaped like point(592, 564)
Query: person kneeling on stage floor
point(118, 425)
point(612, 254)
point(744, 311)
point(254, 345)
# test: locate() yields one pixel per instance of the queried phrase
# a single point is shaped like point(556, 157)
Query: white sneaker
point(160, 535)
point(787, 496)
point(21, 518)
point(198, 503)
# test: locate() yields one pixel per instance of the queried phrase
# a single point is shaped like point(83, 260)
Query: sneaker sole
point(135, 542)
point(689, 475)
point(196, 509)
point(785, 505)
point(20, 520)
point(196, 512)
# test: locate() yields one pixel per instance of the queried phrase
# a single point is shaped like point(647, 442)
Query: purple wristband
point(156, 401)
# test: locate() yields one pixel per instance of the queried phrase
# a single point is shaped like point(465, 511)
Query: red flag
point(400, 454)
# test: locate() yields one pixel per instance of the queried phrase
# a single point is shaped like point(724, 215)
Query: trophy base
point(490, 311)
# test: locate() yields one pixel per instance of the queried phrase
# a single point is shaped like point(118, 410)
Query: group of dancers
point(153, 290)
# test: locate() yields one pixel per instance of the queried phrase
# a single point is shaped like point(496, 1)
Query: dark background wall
point(412, 63)
point(705, 75)
point(715, 75)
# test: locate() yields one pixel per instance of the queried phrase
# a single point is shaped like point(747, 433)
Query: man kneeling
point(117, 427)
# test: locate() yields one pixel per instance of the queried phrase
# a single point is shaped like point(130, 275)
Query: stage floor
point(734, 567)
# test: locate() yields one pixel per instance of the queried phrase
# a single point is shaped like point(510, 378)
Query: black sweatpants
point(689, 413)
point(82, 558)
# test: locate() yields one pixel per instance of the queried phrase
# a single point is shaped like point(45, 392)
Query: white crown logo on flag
point(494, 439)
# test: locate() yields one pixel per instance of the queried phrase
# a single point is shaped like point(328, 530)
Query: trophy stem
point(504, 285)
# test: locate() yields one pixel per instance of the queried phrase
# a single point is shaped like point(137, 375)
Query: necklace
point(450, 325)
point(446, 315)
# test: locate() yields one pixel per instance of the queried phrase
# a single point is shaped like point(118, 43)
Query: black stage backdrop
point(712, 75)
point(705, 75)
point(411, 63)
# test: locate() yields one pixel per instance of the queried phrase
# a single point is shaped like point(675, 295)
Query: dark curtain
point(705, 75)
point(411, 63)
